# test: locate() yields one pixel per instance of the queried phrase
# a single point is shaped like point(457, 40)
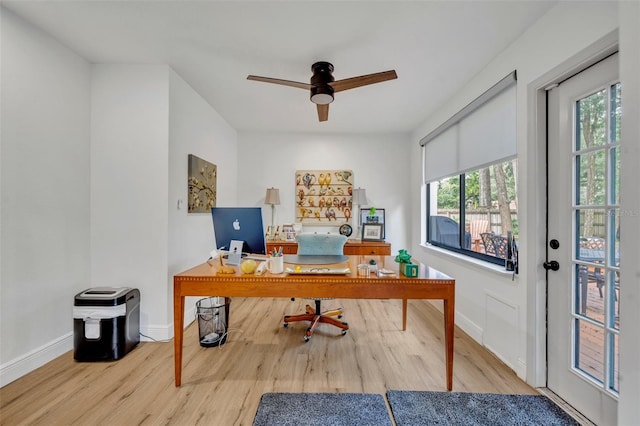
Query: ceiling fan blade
point(279, 81)
point(323, 112)
point(363, 80)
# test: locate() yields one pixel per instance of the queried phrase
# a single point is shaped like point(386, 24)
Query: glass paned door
point(596, 245)
point(583, 185)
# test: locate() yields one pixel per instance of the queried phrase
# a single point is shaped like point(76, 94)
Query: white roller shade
point(482, 133)
point(441, 155)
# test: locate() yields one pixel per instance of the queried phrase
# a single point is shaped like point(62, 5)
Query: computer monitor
point(239, 223)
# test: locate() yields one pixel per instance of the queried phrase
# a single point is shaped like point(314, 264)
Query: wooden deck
point(592, 338)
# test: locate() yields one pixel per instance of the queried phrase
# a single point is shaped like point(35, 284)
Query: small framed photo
point(367, 216)
point(289, 232)
point(372, 232)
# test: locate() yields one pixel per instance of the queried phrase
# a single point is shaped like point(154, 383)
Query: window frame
point(462, 220)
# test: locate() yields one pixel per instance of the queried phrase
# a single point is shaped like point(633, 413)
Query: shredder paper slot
point(99, 312)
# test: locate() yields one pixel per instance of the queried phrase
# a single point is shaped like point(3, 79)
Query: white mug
point(275, 264)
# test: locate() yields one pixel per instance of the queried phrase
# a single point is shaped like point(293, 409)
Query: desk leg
point(449, 325)
point(404, 314)
point(178, 330)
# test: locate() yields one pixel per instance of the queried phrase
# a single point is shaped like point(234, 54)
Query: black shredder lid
point(105, 296)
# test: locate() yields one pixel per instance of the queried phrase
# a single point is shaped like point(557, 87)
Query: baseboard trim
point(469, 327)
point(23, 365)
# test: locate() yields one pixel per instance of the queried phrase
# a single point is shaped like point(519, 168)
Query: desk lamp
point(273, 198)
point(359, 198)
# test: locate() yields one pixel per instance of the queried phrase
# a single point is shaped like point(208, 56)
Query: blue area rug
point(414, 408)
point(322, 409)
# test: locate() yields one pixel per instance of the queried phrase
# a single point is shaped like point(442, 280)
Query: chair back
point(477, 227)
point(487, 242)
point(500, 245)
point(320, 244)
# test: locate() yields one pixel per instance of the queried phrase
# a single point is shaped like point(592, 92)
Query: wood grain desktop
point(204, 280)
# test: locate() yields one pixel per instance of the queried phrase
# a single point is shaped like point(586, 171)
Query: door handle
point(553, 265)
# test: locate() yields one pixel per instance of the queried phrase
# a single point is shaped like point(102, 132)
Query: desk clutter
point(305, 265)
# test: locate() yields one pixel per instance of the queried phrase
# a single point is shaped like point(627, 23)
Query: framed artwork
point(378, 217)
point(371, 232)
point(202, 181)
point(323, 197)
point(289, 232)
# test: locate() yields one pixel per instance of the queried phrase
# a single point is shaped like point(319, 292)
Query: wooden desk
point(351, 247)
point(430, 284)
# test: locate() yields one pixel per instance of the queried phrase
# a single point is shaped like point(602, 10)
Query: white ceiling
point(434, 46)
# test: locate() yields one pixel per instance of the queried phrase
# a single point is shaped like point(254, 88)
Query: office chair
point(319, 244)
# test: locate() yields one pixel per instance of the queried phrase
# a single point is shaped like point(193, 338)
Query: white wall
point(560, 34)
point(380, 164)
point(145, 122)
point(129, 176)
point(558, 42)
point(628, 408)
point(94, 159)
point(45, 195)
point(195, 128)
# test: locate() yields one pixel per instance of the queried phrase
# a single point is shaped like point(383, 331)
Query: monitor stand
point(235, 252)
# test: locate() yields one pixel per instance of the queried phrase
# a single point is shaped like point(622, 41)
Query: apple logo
point(236, 225)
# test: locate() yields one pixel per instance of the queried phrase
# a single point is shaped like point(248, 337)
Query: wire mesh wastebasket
point(213, 320)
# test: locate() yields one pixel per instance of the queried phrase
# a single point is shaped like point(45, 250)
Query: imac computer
point(239, 223)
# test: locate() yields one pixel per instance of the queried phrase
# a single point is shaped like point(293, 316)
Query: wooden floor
point(223, 386)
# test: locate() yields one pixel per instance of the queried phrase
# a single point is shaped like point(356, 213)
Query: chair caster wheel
point(344, 332)
point(285, 325)
point(339, 316)
point(306, 338)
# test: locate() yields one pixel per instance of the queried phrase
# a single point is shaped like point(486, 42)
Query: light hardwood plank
point(223, 385)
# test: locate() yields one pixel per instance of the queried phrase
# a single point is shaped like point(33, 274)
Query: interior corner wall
point(380, 164)
point(195, 128)
point(628, 407)
point(44, 209)
point(565, 30)
point(129, 178)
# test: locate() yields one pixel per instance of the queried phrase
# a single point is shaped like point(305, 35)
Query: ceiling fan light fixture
point(322, 95)
point(321, 99)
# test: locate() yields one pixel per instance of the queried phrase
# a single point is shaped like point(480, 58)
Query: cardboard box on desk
point(409, 270)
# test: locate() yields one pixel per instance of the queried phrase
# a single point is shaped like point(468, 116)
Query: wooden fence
point(495, 225)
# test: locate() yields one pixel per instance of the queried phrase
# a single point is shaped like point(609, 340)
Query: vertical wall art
point(203, 178)
point(323, 197)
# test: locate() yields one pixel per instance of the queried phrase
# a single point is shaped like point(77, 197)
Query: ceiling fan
point(323, 85)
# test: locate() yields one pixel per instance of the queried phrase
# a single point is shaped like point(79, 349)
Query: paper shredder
point(106, 323)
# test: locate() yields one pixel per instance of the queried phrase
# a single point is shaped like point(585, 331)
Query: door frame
point(537, 225)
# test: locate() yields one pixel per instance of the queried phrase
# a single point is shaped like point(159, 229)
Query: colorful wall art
point(323, 197)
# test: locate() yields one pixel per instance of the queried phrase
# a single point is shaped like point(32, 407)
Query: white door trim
point(536, 225)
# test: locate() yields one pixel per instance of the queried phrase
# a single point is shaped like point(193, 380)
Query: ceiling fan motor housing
point(321, 91)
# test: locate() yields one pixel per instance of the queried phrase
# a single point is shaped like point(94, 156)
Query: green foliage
point(449, 188)
point(448, 191)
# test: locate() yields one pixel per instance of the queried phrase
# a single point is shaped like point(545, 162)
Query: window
point(484, 218)
point(470, 170)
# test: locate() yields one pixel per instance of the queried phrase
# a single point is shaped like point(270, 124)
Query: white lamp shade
point(272, 197)
point(359, 196)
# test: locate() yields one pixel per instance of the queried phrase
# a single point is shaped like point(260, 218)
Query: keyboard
point(252, 257)
point(317, 271)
